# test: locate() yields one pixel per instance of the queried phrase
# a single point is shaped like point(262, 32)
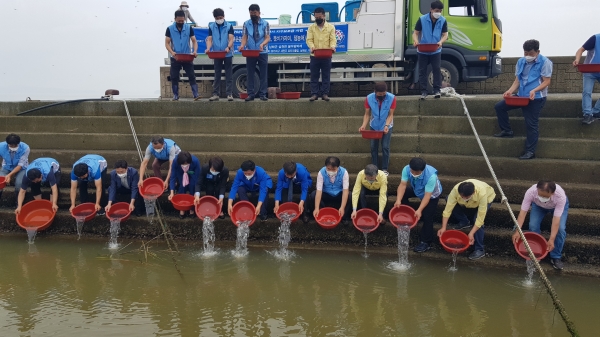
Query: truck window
point(425, 6)
point(462, 7)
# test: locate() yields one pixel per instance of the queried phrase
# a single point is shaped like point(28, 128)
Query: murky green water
point(63, 287)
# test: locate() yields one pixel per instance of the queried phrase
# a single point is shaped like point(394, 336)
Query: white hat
point(184, 3)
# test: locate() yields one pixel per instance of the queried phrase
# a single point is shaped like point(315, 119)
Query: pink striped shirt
point(557, 200)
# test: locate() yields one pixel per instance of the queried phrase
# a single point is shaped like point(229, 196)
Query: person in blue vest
point(164, 150)
point(90, 167)
point(532, 78)
point(220, 38)
point(15, 158)
point(177, 41)
point(421, 180)
point(253, 179)
point(379, 114)
point(40, 171)
point(256, 36)
point(298, 176)
point(592, 46)
point(123, 187)
point(437, 34)
point(186, 171)
point(213, 180)
point(333, 189)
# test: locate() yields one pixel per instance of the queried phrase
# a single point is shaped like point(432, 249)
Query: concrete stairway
point(276, 131)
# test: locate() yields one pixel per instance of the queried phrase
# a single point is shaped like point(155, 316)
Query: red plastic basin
point(288, 207)
point(216, 55)
point(250, 53)
point(289, 95)
point(516, 101)
point(183, 202)
point(185, 58)
point(454, 241)
point(589, 68)
point(323, 53)
point(537, 243)
point(88, 210)
point(328, 218)
point(428, 47)
point(243, 211)
point(403, 216)
point(120, 210)
point(152, 188)
point(36, 214)
point(2, 182)
point(371, 134)
point(243, 95)
point(366, 220)
point(208, 207)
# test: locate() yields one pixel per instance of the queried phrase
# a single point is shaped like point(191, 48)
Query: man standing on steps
point(293, 177)
point(532, 78)
point(438, 34)
point(253, 179)
point(592, 45)
point(164, 150)
point(320, 35)
point(379, 113)
point(421, 180)
point(220, 38)
point(256, 36)
point(468, 203)
point(15, 158)
point(177, 41)
point(369, 181)
point(91, 167)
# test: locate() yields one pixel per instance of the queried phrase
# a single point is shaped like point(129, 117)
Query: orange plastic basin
point(2, 182)
point(516, 101)
point(366, 220)
point(289, 208)
point(243, 211)
point(537, 243)
point(185, 58)
point(183, 202)
point(36, 214)
point(289, 95)
point(428, 47)
point(323, 53)
point(208, 207)
point(328, 218)
point(120, 210)
point(372, 134)
point(589, 68)
point(152, 188)
point(250, 53)
point(216, 55)
point(454, 241)
point(403, 216)
point(88, 210)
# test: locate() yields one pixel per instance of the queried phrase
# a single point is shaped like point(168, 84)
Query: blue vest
point(93, 163)
point(431, 36)
point(220, 37)
point(253, 44)
point(337, 186)
point(379, 115)
point(11, 163)
point(596, 58)
point(164, 154)
point(419, 184)
point(180, 41)
point(533, 78)
point(44, 165)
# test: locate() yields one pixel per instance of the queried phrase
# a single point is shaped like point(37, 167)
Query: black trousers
point(176, 68)
point(83, 192)
point(435, 60)
point(36, 188)
point(426, 234)
point(124, 194)
point(320, 67)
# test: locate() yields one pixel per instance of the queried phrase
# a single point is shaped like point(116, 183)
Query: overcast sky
point(76, 49)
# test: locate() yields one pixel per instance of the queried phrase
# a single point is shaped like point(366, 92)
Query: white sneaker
point(214, 98)
point(230, 98)
point(385, 172)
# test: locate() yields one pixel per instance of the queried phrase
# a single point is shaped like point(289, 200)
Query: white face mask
point(185, 167)
point(529, 58)
point(214, 173)
point(415, 176)
point(542, 199)
point(331, 173)
point(250, 176)
point(437, 15)
point(220, 22)
point(13, 149)
point(159, 150)
point(122, 175)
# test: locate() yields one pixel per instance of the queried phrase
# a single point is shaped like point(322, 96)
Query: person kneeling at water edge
point(213, 179)
point(468, 203)
point(543, 198)
point(123, 184)
point(40, 171)
point(425, 185)
point(163, 150)
point(368, 181)
point(333, 188)
point(293, 177)
point(91, 167)
point(251, 178)
point(185, 176)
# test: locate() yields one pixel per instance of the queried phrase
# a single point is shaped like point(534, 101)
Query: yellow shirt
point(379, 184)
point(321, 38)
point(484, 195)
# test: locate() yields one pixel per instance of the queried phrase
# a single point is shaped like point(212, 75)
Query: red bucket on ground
point(183, 202)
point(216, 55)
point(208, 207)
point(288, 95)
point(372, 134)
point(2, 182)
point(243, 95)
point(403, 216)
point(454, 241)
point(323, 53)
point(366, 220)
point(428, 47)
point(152, 187)
point(589, 68)
point(88, 210)
point(243, 211)
point(185, 58)
point(517, 101)
point(36, 214)
point(250, 53)
point(537, 243)
point(290, 208)
point(328, 218)
point(120, 210)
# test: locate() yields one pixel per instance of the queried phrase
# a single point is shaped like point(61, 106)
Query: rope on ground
point(450, 92)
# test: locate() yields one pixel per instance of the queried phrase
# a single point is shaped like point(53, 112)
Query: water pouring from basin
point(366, 222)
point(150, 190)
point(83, 213)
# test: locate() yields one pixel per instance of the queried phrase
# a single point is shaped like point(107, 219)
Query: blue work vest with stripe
point(11, 162)
point(429, 36)
point(220, 37)
point(418, 184)
point(337, 186)
point(164, 154)
point(595, 58)
point(93, 163)
point(45, 166)
point(534, 78)
point(254, 44)
point(380, 114)
point(180, 40)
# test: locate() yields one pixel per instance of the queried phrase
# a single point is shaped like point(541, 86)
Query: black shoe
point(139, 214)
point(504, 134)
point(313, 98)
point(263, 218)
point(460, 226)
point(557, 264)
point(596, 115)
point(422, 247)
point(437, 95)
point(325, 98)
point(527, 155)
point(423, 96)
point(588, 119)
point(263, 98)
point(249, 98)
point(222, 216)
point(305, 218)
point(182, 216)
point(101, 212)
point(476, 255)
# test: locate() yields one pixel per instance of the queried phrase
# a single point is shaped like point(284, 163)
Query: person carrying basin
point(213, 180)
point(370, 181)
point(220, 38)
point(164, 150)
point(293, 178)
point(186, 171)
point(180, 39)
point(251, 179)
point(15, 158)
point(333, 189)
point(123, 187)
point(91, 167)
point(256, 36)
point(40, 171)
point(468, 203)
point(592, 46)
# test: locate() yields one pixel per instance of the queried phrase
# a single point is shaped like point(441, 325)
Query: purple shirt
point(557, 200)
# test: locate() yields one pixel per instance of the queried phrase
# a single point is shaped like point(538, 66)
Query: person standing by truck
point(220, 38)
point(592, 45)
point(256, 36)
point(438, 34)
point(177, 41)
point(320, 35)
point(185, 8)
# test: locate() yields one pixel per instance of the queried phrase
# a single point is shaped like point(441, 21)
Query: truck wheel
point(239, 81)
point(449, 76)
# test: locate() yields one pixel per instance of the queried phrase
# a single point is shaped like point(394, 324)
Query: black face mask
point(319, 21)
point(254, 18)
point(179, 25)
point(380, 98)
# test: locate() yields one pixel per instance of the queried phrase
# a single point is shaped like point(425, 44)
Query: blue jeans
point(463, 215)
point(16, 180)
point(535, 219)
point(320, 68)
point(588, 86)
point(262, 60)
point(385, 150)
point(531, 113)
